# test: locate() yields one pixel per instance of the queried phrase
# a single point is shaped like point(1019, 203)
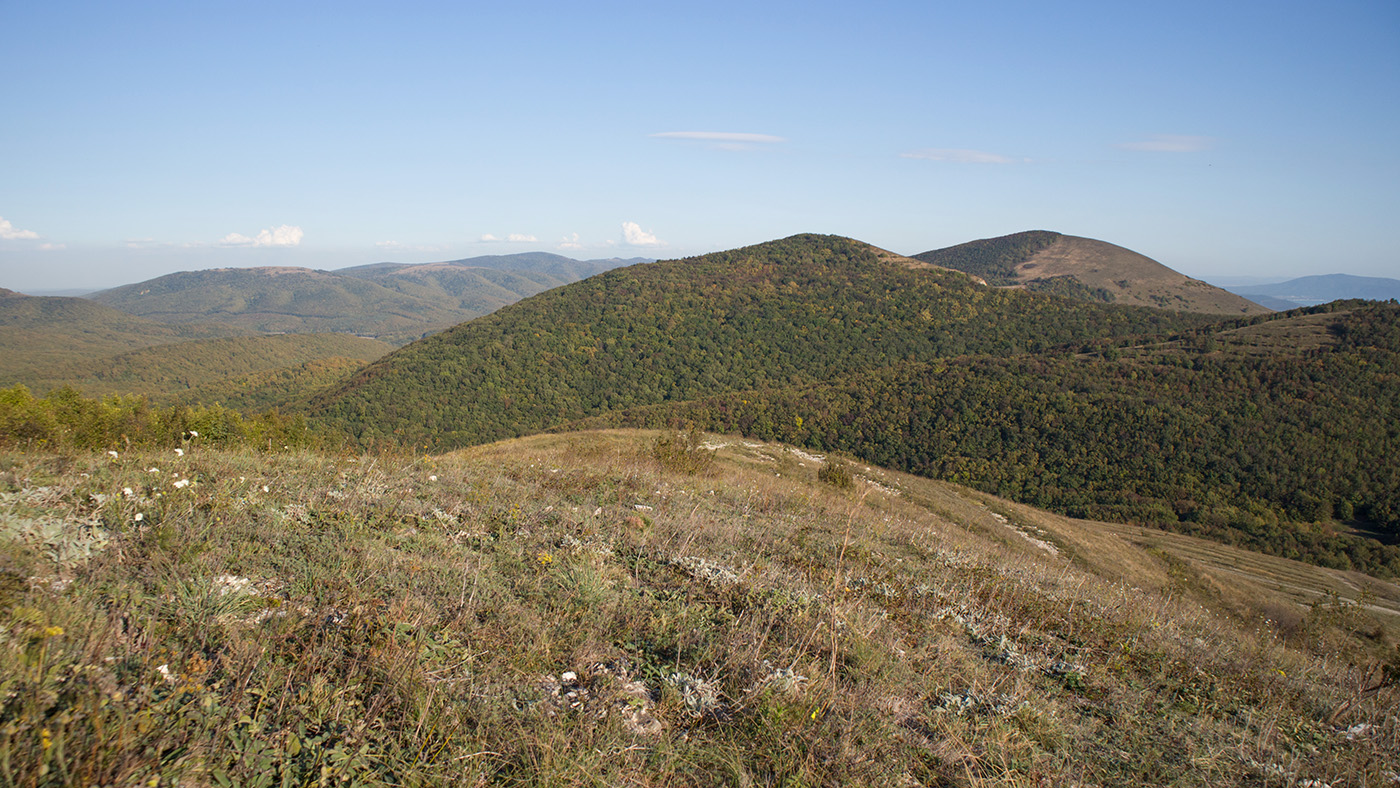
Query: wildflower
point(432, 478)
point(128, 492)
point(45, 738)
point(545, 559)
point(112, 454)
point(194, 434)
point(153, 469)
point(52, 632)
point(181, 484)
point(139, 517)
point(179, 452)
point(264, 488)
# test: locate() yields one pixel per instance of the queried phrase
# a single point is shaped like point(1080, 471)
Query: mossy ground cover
point(565, 610)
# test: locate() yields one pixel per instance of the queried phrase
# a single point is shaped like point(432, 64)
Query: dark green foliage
point(1229, 445)
point(1069, 287)
point(993, 259)
point(798, 311)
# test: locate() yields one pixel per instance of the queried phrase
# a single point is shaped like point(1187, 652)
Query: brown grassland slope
point(646, 609)
point(1088, 270)
point(1130, 278)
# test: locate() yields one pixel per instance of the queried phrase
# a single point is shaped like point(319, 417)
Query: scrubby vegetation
point(64, 420)
point(565, 611)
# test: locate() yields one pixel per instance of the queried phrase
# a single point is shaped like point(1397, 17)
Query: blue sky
point(1243, 139)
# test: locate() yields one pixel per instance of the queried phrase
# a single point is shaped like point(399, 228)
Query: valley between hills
point(1032, 510)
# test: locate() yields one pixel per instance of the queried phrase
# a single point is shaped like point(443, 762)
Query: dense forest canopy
point(791, 312)
point(1202, 434)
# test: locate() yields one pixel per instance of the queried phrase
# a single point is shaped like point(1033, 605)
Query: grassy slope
point(1130, 278)
point(800, 310)
point(1100, 271)
point(397, 621)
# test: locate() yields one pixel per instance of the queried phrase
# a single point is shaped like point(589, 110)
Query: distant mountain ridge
point(1312, 290)
point(1086, 269)
point(393, 302)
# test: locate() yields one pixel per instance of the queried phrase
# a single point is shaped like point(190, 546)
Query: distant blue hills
point(1310, 290)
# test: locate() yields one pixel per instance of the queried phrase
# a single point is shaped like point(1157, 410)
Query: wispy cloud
point(719, 136)
point(959, 156)
point(9, 233)
point(1170, 143)
point(52, 247)
point(570, 241)
point(283, 235)
point(512, 238)
point(634, 235)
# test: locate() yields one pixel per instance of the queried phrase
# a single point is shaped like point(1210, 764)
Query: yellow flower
point(545, 559)
point(52, 632)
point(45, 738)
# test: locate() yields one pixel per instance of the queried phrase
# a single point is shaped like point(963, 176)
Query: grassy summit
point(1086, 269)
point(565, 610)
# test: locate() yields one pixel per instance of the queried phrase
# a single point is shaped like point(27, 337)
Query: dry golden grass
point(562, 610)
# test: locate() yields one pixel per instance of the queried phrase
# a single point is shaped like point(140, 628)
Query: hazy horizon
point(1242, 140)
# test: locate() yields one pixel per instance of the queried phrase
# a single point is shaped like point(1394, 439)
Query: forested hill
point(38, 333)
point(284, 300)
point(796, 311)
point(1238, 432)
point(1086, 269)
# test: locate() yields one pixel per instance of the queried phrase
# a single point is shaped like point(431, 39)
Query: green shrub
point(684, 452)
point(837, 474)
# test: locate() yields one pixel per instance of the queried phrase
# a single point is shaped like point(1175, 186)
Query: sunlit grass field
point(645, 609)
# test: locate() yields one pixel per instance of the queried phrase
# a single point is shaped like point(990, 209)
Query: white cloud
point(284, 235)
point(718, 136)
point(570, 242)
point(959, 156)
point(634, 235)
point(513, 238)
point(52, 247)
point(9, 233)
point(1170, 143)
